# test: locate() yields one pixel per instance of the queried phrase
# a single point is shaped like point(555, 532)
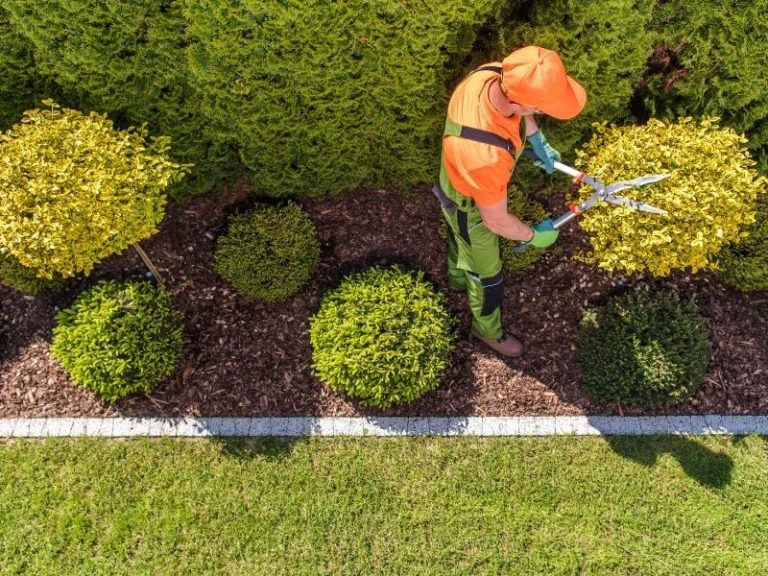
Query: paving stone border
point(384, 426)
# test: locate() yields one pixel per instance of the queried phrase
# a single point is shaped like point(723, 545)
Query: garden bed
point(246, 358)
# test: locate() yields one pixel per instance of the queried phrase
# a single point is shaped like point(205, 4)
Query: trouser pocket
point(493, 292)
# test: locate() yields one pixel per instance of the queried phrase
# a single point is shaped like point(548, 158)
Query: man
point(481, 143)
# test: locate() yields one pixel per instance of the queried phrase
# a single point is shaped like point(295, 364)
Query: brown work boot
point(507, 345)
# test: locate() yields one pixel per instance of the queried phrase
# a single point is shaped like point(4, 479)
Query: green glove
point(544, 234)
point(547, 155)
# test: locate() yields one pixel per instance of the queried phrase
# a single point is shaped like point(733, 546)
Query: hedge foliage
point(710, 194)
point(21, 84)
point(383, 336)
point(644, 348)
point(128, 59)
point(325, 96)
point(711, 61)
point(268, 252)
point(320, 97)
point(118, 338)
point(75, 190)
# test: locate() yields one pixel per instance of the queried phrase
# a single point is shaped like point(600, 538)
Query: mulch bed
point(245, 358)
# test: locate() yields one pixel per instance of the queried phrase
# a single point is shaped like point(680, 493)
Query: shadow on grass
point(707, 467)
point(268, 448)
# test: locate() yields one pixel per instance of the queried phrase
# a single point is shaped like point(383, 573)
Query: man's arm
point(502, 223)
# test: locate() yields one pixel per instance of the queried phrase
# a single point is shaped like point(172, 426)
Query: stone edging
point(384, 426)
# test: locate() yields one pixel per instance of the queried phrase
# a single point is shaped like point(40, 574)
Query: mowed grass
point(550, 506)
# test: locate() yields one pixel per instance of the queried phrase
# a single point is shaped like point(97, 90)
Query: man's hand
point(547, 155)
point(544, 234)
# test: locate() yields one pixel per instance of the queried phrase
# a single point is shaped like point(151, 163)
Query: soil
point(246, 358)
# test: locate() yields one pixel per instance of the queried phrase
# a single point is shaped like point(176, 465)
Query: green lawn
point(635, 506)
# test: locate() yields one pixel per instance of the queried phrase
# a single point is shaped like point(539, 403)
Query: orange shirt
point(478, 170)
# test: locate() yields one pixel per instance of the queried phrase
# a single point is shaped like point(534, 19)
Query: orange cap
point(535, 77)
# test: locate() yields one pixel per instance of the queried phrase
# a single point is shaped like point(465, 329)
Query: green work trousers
point(474, 261)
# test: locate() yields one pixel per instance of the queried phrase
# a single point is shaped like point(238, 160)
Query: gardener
point(481, 143)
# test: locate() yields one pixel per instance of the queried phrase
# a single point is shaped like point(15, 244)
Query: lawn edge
point(384, 426)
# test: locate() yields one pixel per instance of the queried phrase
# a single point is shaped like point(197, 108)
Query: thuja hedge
point(711, 60)
point(319, 97)
point(127, 59)
point(20, 83)
point(325, 96)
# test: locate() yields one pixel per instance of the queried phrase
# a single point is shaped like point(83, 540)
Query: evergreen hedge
point(127, 59)
point(710, 59)
point(325, 96)
point(20, 84)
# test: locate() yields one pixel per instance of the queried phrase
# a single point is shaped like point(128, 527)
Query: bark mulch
point(245, 358)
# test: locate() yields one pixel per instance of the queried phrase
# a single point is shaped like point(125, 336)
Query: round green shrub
point(118, 338)
point(383, 336)
point(268, 252)
point(14, 274)
point(530, 212)
point(644, 349)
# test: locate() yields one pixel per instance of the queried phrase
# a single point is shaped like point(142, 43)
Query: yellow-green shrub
point(711, 193)
point(74, 190)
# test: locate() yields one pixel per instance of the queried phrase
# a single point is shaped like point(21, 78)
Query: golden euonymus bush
point(73, 190)
point(710, 194)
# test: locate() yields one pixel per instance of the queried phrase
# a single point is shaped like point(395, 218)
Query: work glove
point(547, 155)
point(544, 234)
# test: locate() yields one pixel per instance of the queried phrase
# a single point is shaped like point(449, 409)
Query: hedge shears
point(602, 193)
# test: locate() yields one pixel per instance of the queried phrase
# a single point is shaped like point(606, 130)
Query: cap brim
point(568, 104)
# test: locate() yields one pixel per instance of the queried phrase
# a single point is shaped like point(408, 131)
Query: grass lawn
point(550, 506)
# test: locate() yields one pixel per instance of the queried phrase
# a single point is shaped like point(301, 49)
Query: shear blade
point(642, 206)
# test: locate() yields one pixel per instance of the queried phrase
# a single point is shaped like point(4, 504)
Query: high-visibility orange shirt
point(481, 171)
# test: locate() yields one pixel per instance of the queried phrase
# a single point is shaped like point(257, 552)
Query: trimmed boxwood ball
point(118, 338)
point(268, 252)
point(644, 349)
point(383, 336)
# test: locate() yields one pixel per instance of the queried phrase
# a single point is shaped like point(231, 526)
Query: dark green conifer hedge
point(711, 59)
point(127, 59)
point(20, 82)
point(325, 96)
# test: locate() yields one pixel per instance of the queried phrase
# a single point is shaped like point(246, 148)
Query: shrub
point(75, 190)
point(24, 279)
point(530, 212)
point(325, 96)
point(644, 348)
point(118, 338)
point(710, 194)
point(128, 59)
point(710, 61)
point(269, 252)
point(744, 264)
point(383, 336)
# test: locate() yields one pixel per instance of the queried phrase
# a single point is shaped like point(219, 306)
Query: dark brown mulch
point(244, 358)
